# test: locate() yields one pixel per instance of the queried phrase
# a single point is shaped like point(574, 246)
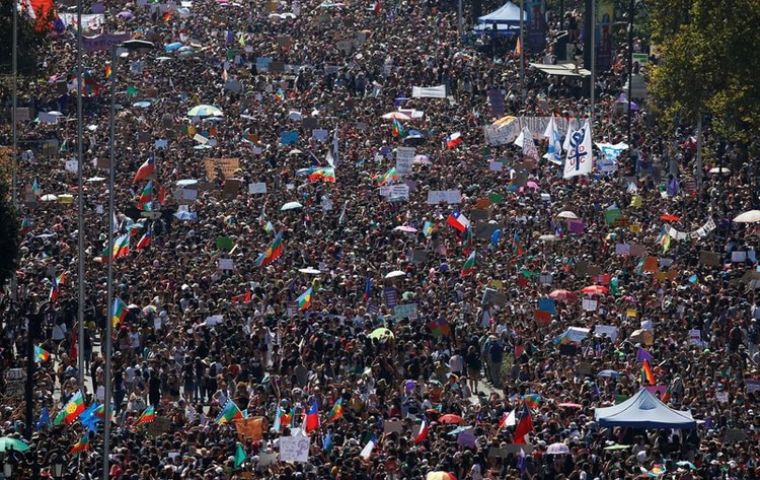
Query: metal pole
point(80, 195)
point(109, 298)
point(14, 67)
point(631, 13)
point(460, 20)
point(593, 59)
point(522, 48)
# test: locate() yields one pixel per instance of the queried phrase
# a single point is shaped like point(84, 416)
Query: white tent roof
point(507, 13)
point(643, 410)
point(564, 69)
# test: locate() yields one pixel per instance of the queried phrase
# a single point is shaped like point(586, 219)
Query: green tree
point(9, 233)
point(709, 62)
point(30, 41)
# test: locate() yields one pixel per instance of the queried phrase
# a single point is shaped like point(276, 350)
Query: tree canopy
point(709, 61)
point(30, 41)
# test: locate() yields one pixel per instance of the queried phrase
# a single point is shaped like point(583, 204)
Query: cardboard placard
point(251, 429)
point(231, 187)
point(709, 259)
point(393, 426)
point(158, 426)
point(228, 167)
point(294, 449)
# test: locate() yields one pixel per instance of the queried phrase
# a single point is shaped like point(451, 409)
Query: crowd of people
point(398, 339)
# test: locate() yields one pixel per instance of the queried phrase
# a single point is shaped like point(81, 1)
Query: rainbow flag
point(336, 412)
point(40, 354)
point(469, 265)
point(146, 197)
point(118, 312)
point(325, 174)
point(389, 177)
point(397, 130)
point(533, 400)
point(647, 375)
point(147, 416)
point(273, 252)
point(229, 412)
point(120, 247)
point(71, 410)
point(304, 300)
point(82, 445)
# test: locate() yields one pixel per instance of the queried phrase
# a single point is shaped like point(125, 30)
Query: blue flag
point(89, 419)
point(44, 419)
point(327, 442)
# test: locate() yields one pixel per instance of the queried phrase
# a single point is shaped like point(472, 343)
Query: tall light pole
point(631, 13)
point(460, 20)
point(80, 202)
point(522, 48)
point(129, 45)
point(14, 154)
point(593, 60)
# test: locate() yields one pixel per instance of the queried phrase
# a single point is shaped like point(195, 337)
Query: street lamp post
point(80, 202)
point(631, 13)
point(129, 45)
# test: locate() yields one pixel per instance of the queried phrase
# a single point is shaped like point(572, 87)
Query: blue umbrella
point(173, 46)
point(189, 216)
point(142, 104)
point(608, 374)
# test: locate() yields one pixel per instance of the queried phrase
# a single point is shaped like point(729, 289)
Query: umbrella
point(414, 138)
point(290, 206)
point(562, 294)
point(380, 333)
point(66, 198)
point(532, 184)
point(205, 111)
point(548, 238)
point(173, 46)
point(450, 418)
point(595, 290)
point(125, 14)
point(395, 273)
point(405, 228)
point(721, 170)
point(608, 374)
point(10, 443)
point(310, 271)
point(557, 449)
point(295, 151)
point(751, 216)
point(642, 336)
point(142, 104)
point(617, 446)
point(396, 116)
point(149, 309)
point(187, 182)
point(49, 198)
point(440, 476)
point(567, 214)
point(570, 405)
point(422, 160)
point(189, 216)
point(95, 180)
point(669, 217)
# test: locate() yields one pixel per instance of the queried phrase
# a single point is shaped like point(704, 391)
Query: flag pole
point(80, 203)
point(14, 113)
point(522, 49)
point(109, 252)
point(593, 59)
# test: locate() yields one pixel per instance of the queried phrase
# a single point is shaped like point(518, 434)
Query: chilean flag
point(146, 169)
point(453, 140)
point(311, 421)
point(145, 240)
point(422, 434)
point(524, 426)
point(458, 221)
point(508, 420)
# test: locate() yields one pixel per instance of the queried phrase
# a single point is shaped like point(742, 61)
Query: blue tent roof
point(643, 410)
point(507, 13)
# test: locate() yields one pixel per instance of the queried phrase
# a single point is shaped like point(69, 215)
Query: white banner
point(429, 92)
point(580, 159)
point(404, 160)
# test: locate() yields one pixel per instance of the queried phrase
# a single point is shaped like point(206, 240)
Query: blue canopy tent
point(506, 20)
point(643, 410)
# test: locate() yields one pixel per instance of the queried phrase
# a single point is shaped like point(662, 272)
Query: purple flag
point(642, 355)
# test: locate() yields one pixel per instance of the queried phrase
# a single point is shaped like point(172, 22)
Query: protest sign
point(444, 196)
point(429, 92)
point(610, 331)
point(257, 187)
point(404, 160)
point(408, 310)
point(294, 449)
point(228, 166)
point(250, 429)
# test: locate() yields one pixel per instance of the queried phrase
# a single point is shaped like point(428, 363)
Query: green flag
point(239, 455)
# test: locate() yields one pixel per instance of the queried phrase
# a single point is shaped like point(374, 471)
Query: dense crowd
point(422, 388)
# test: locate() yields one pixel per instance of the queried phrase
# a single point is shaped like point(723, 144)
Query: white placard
point(385, 191)
point(161, 144)
point(186, 194)
point(444, 196)
point(404, 160)
point(495, 166)
point(610, 330)
point(546, 279)
point(45, 117)
point(226, 264)
point(294, 449)
point(738, 257)
point(257, 187)
point(589, 305)
point(72, 166)
point(398, 192)
point(623, 249)
point(695, 337)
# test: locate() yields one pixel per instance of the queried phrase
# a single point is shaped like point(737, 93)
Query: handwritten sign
point(444, 196)
point(404, 160)
point(294, 449)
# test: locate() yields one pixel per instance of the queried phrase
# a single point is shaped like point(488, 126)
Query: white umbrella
point(751, 216)
point(567, 214)
point(395, 273)
point(557, 449)
point(187, 182)
point(310, 271)
point(548, 238)
point(290, 206)
point(49, 198)
point(205, 111)
point(721, 170)
point(422, 160)
point(96, 179)
point(396, 116)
